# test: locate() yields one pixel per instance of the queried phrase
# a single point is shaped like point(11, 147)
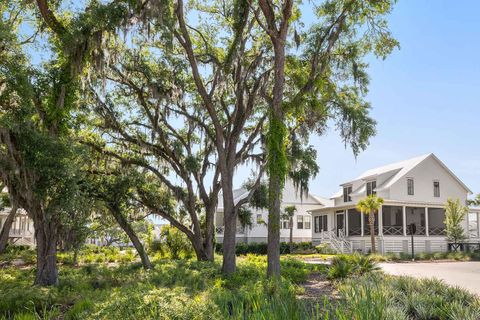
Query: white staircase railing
point(338, 243)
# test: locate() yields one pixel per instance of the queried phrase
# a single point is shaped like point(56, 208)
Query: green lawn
point(115, 288)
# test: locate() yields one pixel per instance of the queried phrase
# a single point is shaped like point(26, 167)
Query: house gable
point(391, 181)
point(424, 174)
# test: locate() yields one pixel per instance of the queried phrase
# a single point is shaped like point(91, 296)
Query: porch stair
point(338, 243)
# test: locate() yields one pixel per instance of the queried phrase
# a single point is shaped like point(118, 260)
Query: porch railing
point(437, 231)
point(19, 233)
point(393, 230)
point(366, 230)
point(354, 231)
point(339, 244)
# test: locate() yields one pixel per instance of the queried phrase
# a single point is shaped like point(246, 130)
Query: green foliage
point(174, 289)
point(259, 199)
point(458, 256)
point(455, 214)
point(260, 248)
point(176, 243)
point(186, 289)
point(376, 296)
point(324, 248)
point(245, 217)
point(289, 211)
point(344, 266)
point(474, 202)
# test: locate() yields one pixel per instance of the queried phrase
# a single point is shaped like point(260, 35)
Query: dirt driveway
point(462, 274)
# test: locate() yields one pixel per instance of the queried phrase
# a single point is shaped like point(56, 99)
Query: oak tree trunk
point(277, 160)
point(122, 221)
point(6, 229)
point(229, 240)
point(46, 238)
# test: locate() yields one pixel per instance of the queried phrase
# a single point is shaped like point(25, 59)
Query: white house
point(21, 232)
point(414, 190)
point(302, 223)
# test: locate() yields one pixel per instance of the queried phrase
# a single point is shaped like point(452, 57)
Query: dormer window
point(347, 190)
point(436, 189)
point(410, 187)
point(371, 188)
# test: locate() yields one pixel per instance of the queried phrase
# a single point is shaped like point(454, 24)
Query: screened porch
point(392, 221)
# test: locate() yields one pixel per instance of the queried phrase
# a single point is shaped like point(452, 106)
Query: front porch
point(391, 220)
point(350, 229)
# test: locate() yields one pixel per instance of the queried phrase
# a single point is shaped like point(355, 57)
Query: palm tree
point(370, 205)
point(288, 213)
point(475, 202)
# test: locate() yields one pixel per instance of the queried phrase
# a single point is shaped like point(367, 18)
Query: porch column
point(380, 221)
point(426, 221)
point(346, 223)
point(361, 223)
point(404, 221)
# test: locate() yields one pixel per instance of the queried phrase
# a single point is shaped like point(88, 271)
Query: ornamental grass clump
point(343, 266)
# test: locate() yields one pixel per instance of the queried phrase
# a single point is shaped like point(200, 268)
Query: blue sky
point(425, 96)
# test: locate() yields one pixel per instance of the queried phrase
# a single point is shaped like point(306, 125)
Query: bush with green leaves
point(243, 248)
point(344, 266)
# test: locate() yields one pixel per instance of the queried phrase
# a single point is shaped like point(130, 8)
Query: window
point(436, 189)
point(285, 223)
point(346, 194)
point(307, 222)
point(259, 219)
point(410, 187)
point(473, 225)
point(299, 222)
point(371, 188)
point(320, 223)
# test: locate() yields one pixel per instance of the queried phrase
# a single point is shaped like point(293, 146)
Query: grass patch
point(188, 289)
point(377, 296)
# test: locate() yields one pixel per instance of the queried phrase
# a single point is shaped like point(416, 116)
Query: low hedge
point(243, 248)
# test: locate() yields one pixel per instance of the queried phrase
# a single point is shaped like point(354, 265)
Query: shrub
point(377, 296)
point(343, 266)
point(243, 248)
point(324, 248)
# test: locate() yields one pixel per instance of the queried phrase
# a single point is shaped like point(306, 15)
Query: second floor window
point(371, 188)
point(346, 194)
point(436, 189)
point(410, 187)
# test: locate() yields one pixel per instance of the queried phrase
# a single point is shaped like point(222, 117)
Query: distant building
point(22, 231)
point(302, 221)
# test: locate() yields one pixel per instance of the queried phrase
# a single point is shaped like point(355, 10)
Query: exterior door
point(340, 224)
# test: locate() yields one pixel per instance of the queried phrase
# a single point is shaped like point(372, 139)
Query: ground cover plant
point(105, 286)
point(424, 256)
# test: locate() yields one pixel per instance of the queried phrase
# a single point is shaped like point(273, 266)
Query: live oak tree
point(325, 77)
point(114, 189)
point(38, 156)
point(189, 111)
